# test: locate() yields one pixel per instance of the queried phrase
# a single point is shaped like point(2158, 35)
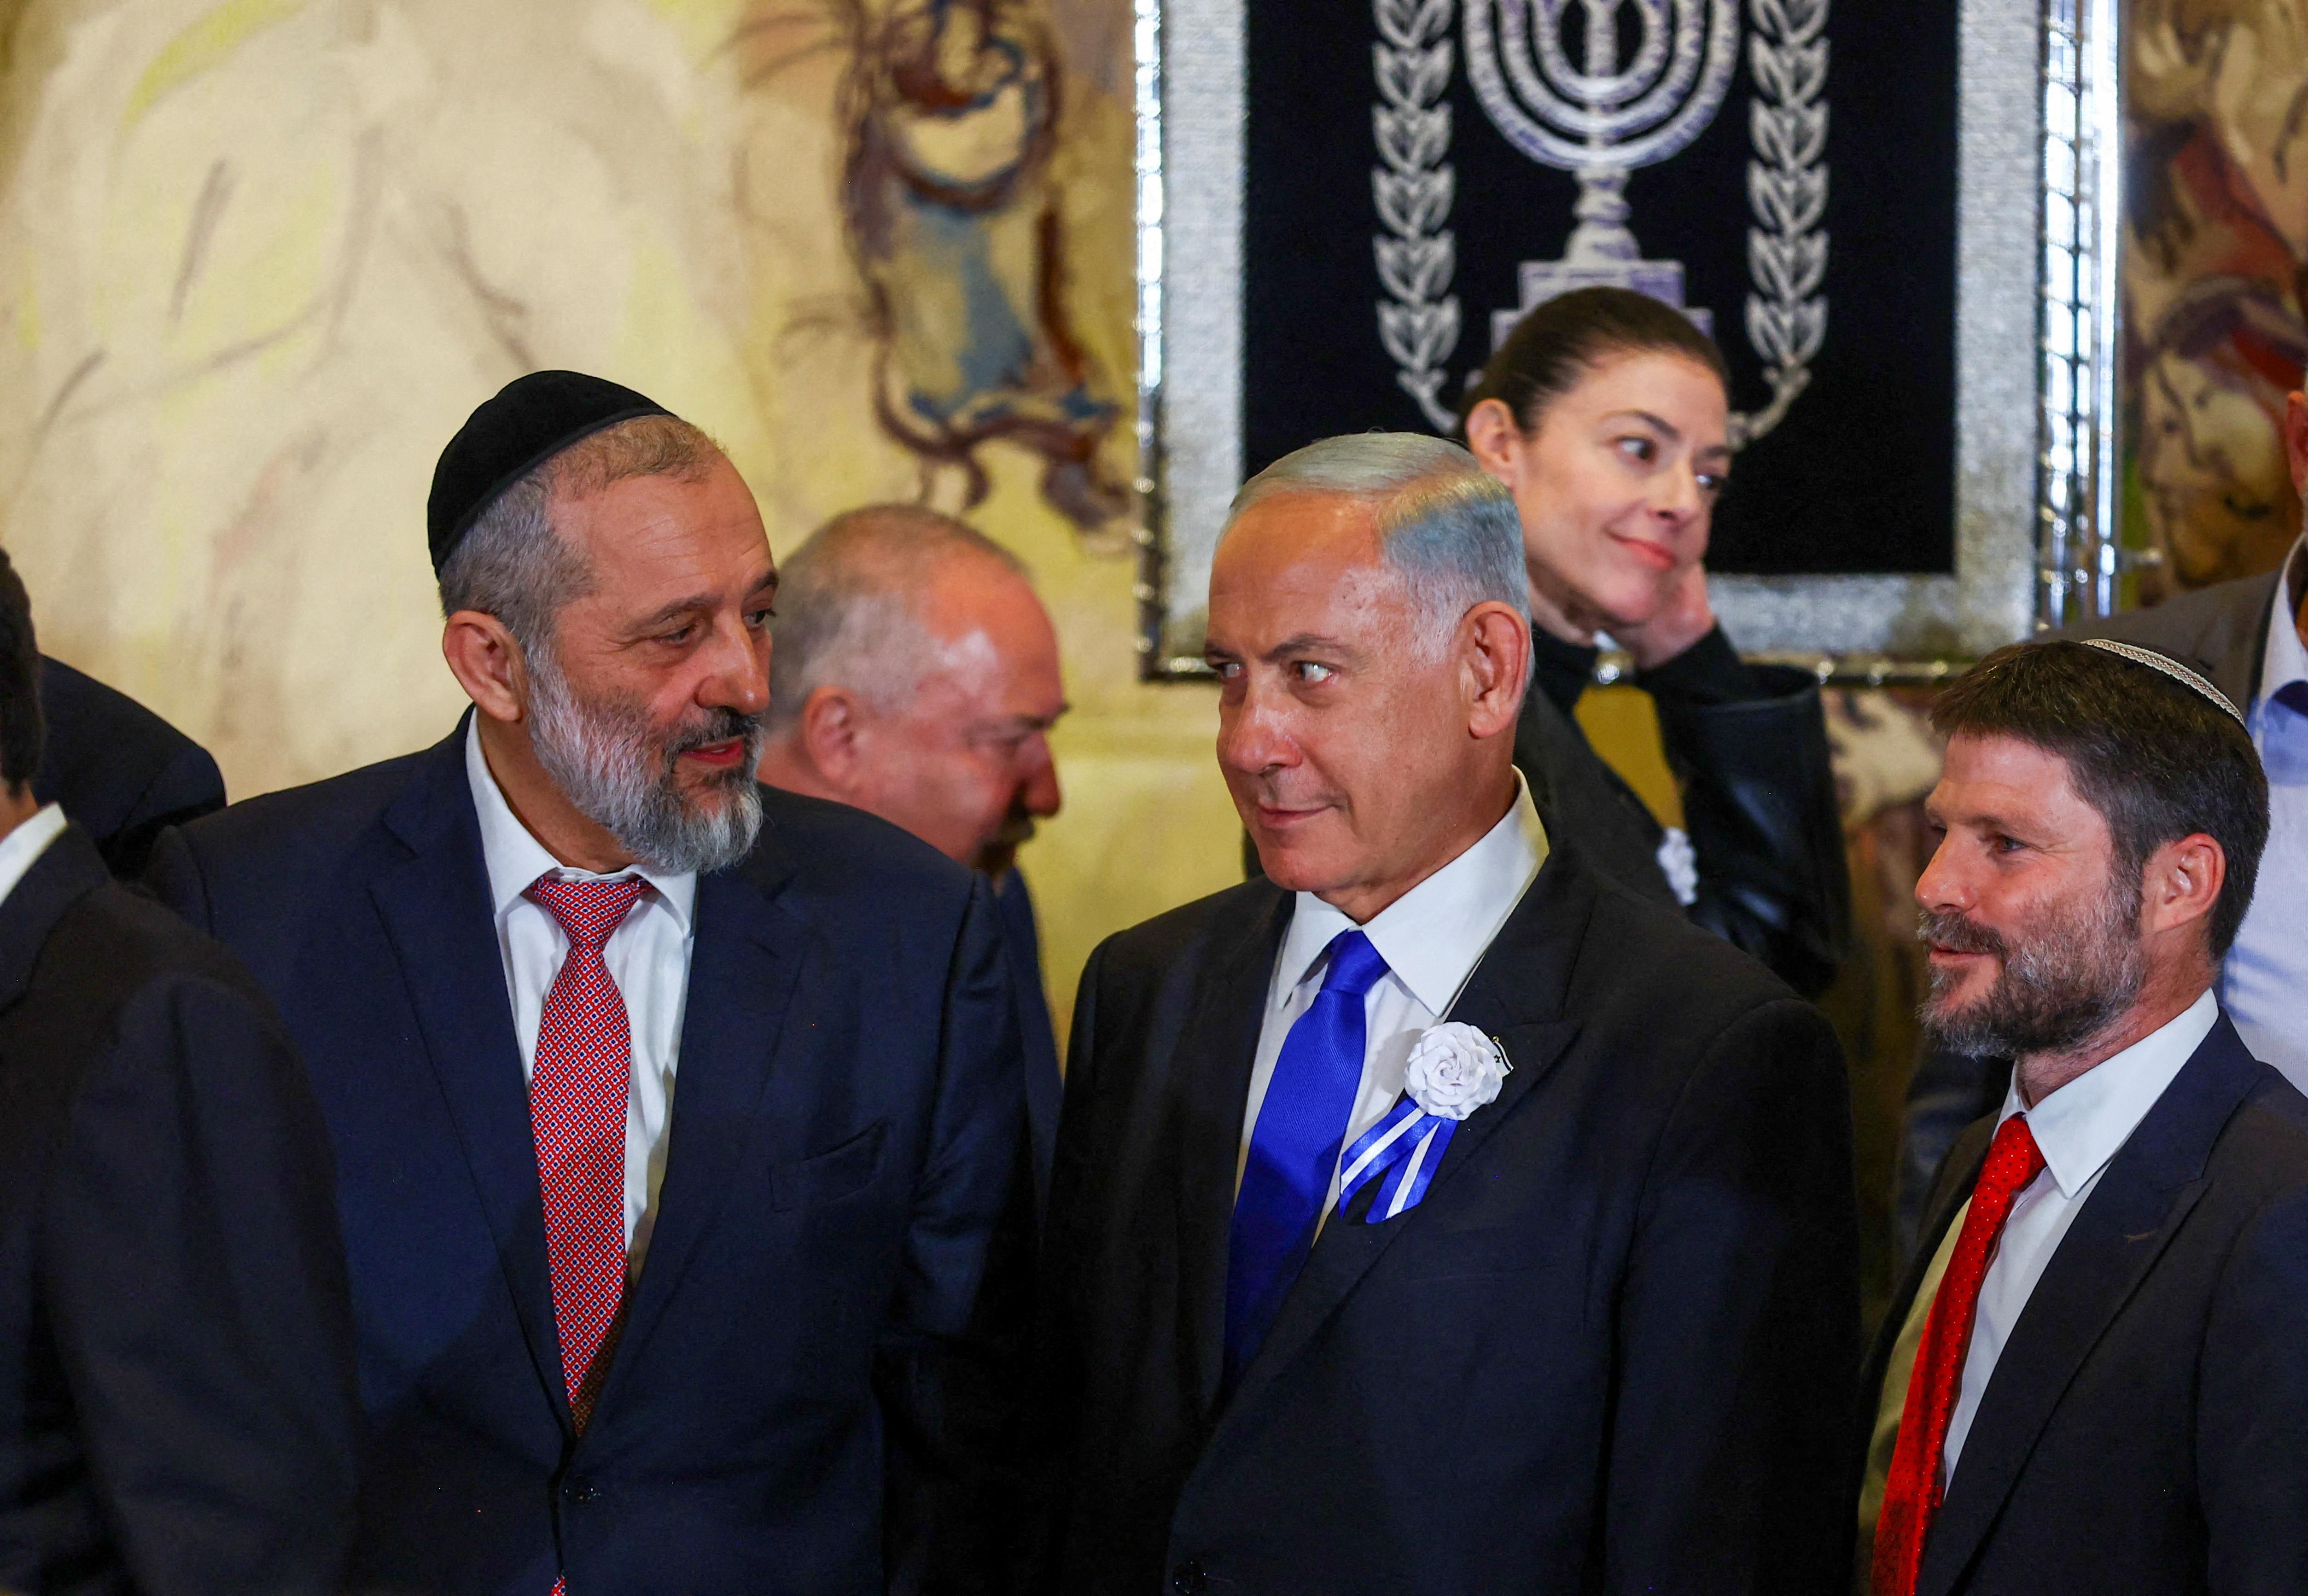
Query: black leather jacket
point(1748, 747)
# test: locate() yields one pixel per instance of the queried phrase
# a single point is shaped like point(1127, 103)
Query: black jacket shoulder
point(122, 773)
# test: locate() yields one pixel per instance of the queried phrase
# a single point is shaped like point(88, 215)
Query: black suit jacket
point(1758, 799)
point(2146, 1429)
point(177, 1412)
point(123, 774)
point(806, 1330)
point(1603, 1354)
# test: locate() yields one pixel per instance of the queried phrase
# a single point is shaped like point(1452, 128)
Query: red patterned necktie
point(1912, 1492)
point(578, 1093)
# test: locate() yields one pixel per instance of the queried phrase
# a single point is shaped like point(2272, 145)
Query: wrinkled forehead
point(644, 535)
point(1993, 775)
point(1302, 555)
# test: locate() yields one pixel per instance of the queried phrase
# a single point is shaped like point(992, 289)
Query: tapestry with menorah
point(1421, 172)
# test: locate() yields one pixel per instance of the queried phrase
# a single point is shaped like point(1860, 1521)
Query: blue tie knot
point(1355, 965)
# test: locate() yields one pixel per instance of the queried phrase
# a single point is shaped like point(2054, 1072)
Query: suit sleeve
point(2251, 1439)
point(951, 1372)
point(173, 874)
point(186, 788)
point(1738, 1328)
point(1759, 799)
point(189, 1251)
point(1057, 1371)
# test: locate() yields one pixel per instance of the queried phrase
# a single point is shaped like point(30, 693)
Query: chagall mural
point(2215, 266)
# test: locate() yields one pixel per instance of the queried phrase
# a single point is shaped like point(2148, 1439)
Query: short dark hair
point(1562, 341)
point(23, 734)
point(2156, 759)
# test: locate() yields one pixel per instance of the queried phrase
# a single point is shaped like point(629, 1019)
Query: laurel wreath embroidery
point(1416, 255)
point(1786, 191)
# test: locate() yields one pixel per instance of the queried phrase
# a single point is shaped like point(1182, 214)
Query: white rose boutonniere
point(1454, 1069)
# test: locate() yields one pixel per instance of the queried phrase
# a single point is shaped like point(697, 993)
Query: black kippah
point(530, 420)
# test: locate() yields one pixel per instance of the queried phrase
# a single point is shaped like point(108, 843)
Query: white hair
point(849, 606)
point(1446, 525)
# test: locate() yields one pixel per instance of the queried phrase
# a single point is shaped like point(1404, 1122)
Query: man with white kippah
point(2248, 637)
point(2090, 1379)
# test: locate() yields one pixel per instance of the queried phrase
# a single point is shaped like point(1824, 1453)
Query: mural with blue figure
point(953, 107)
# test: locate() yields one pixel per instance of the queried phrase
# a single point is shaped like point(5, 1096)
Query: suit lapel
point(1215, 1055)
point(67, 869)
point(1517, 996)
point(746, 957)
point(436, 911)
point(2147, 1192)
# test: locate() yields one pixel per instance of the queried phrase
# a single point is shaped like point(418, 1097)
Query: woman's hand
point(1681, 620)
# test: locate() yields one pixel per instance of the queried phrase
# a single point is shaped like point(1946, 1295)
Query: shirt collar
point(1433, 935)
point(21, 848)
point(2286, 660)
point(2079, 1127)
point(516, 858)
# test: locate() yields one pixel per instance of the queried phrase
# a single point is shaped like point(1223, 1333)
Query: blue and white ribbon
point(1401, 1153)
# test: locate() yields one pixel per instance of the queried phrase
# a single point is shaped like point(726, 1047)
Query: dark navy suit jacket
point(1043, 1085)
point(2146, 1428)
point(1607, 1352)
point(808, 1327)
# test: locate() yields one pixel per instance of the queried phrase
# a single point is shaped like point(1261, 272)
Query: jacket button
point(1189, 1579)
point(580, 1489)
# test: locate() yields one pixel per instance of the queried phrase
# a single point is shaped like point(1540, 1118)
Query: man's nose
point(1253, 736)
point(1940, 886)
point(737, 674)
point(1038, 793)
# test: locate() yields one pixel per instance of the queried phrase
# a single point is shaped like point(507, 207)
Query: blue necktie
point(1294, 1149)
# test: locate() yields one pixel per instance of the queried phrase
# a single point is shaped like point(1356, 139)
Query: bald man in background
point(915, 676)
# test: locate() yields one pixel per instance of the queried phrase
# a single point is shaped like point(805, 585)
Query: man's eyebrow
point(692, 603)
point(1302, 643)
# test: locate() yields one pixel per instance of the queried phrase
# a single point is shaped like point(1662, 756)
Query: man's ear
point(1495, 666)
point(2182, 883)
point(487, 663)
point(831, 722)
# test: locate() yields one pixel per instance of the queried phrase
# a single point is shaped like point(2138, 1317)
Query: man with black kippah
point(2092, 1379)
point(616, 1339)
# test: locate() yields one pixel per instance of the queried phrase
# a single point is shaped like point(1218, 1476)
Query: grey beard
point(619, 771)
point(2053, 995)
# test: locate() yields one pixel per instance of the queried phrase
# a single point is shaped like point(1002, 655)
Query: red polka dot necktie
point(1912, 1491)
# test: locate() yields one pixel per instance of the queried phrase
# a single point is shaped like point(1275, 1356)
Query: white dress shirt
point(1431, 937)
point(646, 955)
point(22, 847)
point(2077, 1129)
point(2266, 975)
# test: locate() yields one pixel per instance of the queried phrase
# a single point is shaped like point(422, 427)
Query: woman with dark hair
point(1606, 413)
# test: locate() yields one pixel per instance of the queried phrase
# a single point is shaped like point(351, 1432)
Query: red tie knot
point(2013, 1162)
point(589, 912)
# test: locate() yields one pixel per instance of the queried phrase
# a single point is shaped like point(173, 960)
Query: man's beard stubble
point(2051, 994)
point(621, 773)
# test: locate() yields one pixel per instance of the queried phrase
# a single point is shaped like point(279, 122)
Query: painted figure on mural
point(952, 108)
point(2217, 202)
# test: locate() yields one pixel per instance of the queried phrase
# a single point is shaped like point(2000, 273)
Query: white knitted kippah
point(2168, 667)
